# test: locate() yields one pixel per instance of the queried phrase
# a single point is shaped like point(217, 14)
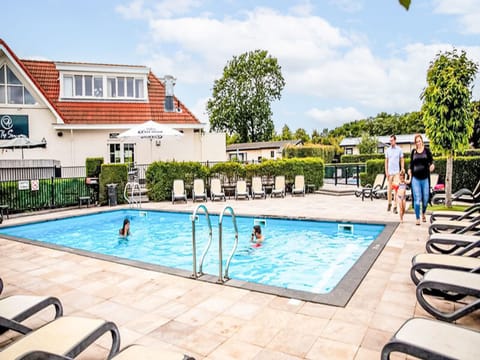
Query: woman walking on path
point(421, 165)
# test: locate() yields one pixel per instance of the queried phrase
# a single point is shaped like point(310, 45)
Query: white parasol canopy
point(150, 130)
point(22, 142)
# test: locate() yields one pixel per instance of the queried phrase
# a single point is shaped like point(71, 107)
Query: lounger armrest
point(42, 355)
point(8, 324)
point(108, 326)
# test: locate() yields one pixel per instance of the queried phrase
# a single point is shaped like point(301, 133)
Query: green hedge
point(93, 166)
point(113, 174)
point(326, 152)
point(360, 158)
point(466, 171)
point(160, 176)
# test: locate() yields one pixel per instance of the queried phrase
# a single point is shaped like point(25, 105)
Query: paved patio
point(210, 321)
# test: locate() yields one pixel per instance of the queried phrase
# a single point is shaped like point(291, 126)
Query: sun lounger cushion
point(428, 339)
point(452, 285)
point(132, 352)
point(17, 308)
point(457, 244)
point(67, 335)
point(421, 263)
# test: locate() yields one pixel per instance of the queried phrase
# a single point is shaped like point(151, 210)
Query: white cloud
point(468, 12)
point(332, 118)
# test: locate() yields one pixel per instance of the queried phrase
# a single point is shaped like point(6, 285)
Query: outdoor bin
point(112, 194)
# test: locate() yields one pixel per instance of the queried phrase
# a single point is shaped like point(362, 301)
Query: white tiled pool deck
point(210, 321)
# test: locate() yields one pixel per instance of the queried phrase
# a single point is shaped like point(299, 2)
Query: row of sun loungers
point(450, 270)
point(199, 191)
point(65, 337)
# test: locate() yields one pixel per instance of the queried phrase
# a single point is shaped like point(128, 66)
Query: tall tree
point(241, 98)
point(301, 134)
point(368, 144)
point(447, 108)
point(286, 133)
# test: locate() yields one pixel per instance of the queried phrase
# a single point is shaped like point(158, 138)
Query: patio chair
point(299, 185)
point(15, 309)
point(455, 226)
point(279, 189)
point(433, 339)
point(216, 190)
point(421, 263)
point(455, 244)
point(464, 195)
point(369, 190)
point(199, 191)
point(67, 336)
point(241, 190)
point(467, 214)
point(178, 191)
point(257, 188)
point(132, 352)
point(451, 285)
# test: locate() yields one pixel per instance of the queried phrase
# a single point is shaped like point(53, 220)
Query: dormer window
point(97, 82)
point(90, 86)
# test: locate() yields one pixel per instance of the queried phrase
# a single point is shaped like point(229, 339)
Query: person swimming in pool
point(257, 237)
point(125, 230)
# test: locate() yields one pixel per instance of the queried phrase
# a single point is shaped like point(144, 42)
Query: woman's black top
point(420, 163)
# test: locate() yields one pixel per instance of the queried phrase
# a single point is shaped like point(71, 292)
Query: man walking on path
point(394, 163)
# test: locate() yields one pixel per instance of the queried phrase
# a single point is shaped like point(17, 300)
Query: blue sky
point(342, 59)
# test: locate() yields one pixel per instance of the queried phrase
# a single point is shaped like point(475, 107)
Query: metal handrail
point(194, 217)
point(132, 200)
point(221, 278)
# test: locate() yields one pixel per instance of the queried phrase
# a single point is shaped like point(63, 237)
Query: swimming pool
point(306, 259)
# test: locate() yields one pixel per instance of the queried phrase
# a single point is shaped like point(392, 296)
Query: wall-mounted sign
point(24, 185)
point(13, 125)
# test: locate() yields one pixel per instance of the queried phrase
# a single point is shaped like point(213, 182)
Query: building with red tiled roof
point(79, 109)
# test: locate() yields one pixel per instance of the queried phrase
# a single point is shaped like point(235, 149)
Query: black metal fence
point(27, 189)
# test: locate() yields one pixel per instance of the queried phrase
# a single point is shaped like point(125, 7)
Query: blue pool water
point(305, 255)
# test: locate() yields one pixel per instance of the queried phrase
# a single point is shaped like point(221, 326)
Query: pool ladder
point(133, 194)
point(221, 277)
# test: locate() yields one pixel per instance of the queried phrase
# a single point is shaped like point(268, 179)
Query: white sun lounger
point(433, 339)
point(67, 335)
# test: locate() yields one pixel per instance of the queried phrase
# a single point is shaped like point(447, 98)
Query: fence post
point(335, 174)
point(52, 192)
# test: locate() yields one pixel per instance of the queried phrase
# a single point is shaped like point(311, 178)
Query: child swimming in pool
point(257, 237)
point(402, 194)
point(125, 230)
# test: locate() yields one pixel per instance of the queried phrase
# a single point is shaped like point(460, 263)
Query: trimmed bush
point(326, 152)
point(93, 166)
point(161, 174)
point(360, 158)
point(113, 174)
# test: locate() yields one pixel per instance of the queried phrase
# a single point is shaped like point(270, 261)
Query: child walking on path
point(402, 195)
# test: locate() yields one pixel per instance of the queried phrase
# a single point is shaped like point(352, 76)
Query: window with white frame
point(12, 91)
point(81, 86)
point(348, 151)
